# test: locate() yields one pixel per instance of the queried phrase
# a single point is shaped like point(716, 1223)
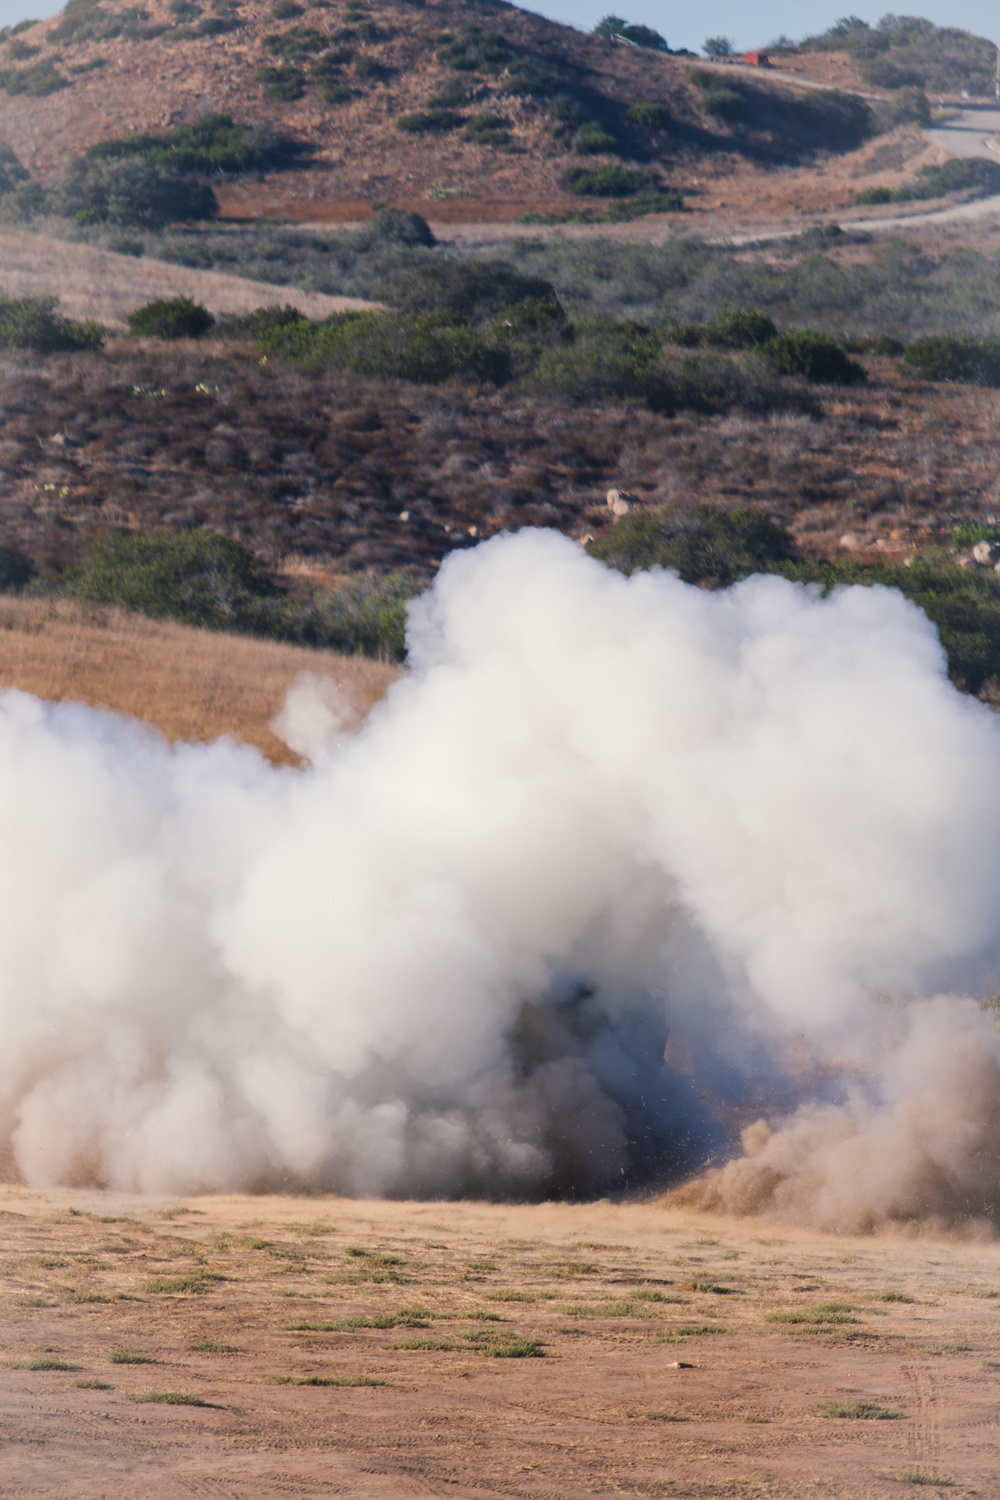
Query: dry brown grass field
point(93, 283)
point(256, 1347)
point(192, 684)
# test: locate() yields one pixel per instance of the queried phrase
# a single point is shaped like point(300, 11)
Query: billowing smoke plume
point(599, 819)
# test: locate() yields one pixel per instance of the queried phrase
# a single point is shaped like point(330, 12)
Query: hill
point(405, 100)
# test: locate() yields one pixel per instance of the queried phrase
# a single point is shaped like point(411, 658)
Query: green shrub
point(607, 181)
point(131, 191)
point(16, 570)
point(452, 94)
point(912, 106)
point(170, 318)
point(962, 174)
point(816, 356)
point(286, 84)
point(427, 121)
point(211, 144)
point(476, 290)
point(837, 121)
point(874, 195)
point(942, 357)
point(487, 129)
point(34, 323)
point(424, 348)
point(197, 576)
point(256, 324)
point(732, 328)
point(11, 171)
point(594, 140)
point(701, 544)
point(476, 50)
point(42, 79)
point(366, 617)
point(395, 226)
point(650, 116)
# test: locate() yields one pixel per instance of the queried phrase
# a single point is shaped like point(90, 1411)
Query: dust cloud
point(619, 867)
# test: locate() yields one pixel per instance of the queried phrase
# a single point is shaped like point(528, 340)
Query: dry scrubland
point(192, 684)
point(324, 470)
point(256, 1347)
point(95, 283)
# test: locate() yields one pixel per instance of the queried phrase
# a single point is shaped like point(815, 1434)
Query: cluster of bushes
point(326, 53)
point(39, 80)
point(485, 321)
point(718, 548)
point(201, 578)
point(907, 51)
point(35, 323)
point(212, 145)
point(975, 175)
point(88, 21)
point(944, 357)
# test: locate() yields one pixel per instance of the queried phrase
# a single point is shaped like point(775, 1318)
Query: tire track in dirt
point(925, 1435)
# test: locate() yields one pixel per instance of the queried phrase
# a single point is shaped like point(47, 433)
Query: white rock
point(620, 502)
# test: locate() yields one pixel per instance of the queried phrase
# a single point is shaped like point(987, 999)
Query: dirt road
point(258, 1347)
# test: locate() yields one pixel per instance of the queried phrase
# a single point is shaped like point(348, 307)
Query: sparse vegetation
point(859, 1411)
point(171, 318)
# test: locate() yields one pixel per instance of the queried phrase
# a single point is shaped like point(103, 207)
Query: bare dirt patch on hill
point(269, 1346)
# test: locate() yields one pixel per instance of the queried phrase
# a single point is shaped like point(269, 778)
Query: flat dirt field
point(255, 1347)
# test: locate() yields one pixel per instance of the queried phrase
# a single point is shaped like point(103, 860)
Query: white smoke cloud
point(444, 957)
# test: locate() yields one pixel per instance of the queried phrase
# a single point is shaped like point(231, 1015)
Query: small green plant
point(501, 1346)
point(347, 1381)
point(594, 140)
point(910, 1476)
point(170, 318)
point(284, 83)
point(174, 1398)
point(947, 358)
point(213, 1346)
point(607, 181)
point(813, 355)
point(650, 115)
point(130, 1357)
point(894, 1297)
point(429, 121)
point(46, 1362)
point(427, 1345)
point(92, 1385)
point(175, 1286)
point(858, 1411)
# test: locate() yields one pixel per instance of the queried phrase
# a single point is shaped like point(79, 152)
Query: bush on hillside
point(963, 174)
point(212, 144)
point(475, 50)
point(395, 226)
point(197, 576)
point(816, 356)
point(731, 328)
point(34, 323)
point(702, 544)
point(424, 348)
point(11, 171)
point(429, 122)
point(38, 81)
point(170, 318)
point(16, 570)
point(365, 618)
point(475, 289)
point(943, 357)
point(911, 106)
point(131, 191)
point(650, 116)
point(284, 83)
point(607, 181)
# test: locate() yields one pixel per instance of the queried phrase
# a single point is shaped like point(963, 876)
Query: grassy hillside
point(360, 101)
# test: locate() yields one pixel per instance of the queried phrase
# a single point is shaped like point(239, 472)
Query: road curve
point(973, 132)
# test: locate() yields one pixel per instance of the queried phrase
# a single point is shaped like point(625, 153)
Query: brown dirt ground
point(680, 1356)
point(192, 684)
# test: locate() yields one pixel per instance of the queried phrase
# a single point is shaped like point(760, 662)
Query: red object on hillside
point(757, 60)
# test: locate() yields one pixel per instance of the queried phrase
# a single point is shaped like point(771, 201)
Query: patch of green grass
point(858, 1411)
point(436, 1346)
point(825, 1314)
point(212, 1346)
point(500, 1346)
point(647, 1414)
point(484, 1317)
point(130, 1357)
point(175, 1398)
point(626, 1309)
point(175, 1285)
point(506, 1295)
point(716, 1290)
point(44, 1362)
point(92, 1385)
point(343, 1380)
point(650, 1294)
point(894, 1297)
point(950, 1349)
point(406, 1317)
point(910, 1477)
